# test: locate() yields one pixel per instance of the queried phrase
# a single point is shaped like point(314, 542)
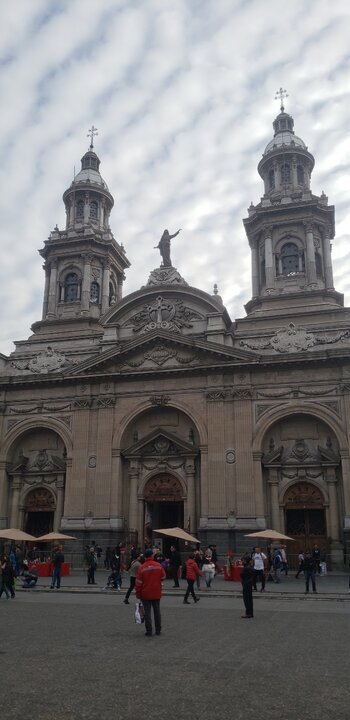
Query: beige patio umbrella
point(179, 533)
point(15, 534)
point(55, 537)
point(269, 535)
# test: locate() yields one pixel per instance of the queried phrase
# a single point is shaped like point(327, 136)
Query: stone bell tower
point(290, 230)
point(84, 264)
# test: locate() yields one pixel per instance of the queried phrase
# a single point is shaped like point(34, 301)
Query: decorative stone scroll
point(166, 276)
point(293, 339)
point(46, 361)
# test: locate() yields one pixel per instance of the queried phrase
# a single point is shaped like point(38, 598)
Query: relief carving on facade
point(163, 314)
point(159, 355)
point(292, 339)
point(46, 361)
point(166, 276)
point(159, 400)
point(215, 395)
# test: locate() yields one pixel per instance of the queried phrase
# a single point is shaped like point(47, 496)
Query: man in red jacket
point(149, 590)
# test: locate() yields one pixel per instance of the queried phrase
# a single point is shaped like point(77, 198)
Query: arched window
point(71, 287)
point(285, 173)
point(300, 174)
point(318, 261)
point(272, 179)
point(290, 259)
point(93, 209)
point(94, 292)
point(80, 208)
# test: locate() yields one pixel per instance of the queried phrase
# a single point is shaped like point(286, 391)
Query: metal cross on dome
point(280, 95)
point(91, 133)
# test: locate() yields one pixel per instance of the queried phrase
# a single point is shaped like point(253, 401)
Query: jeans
point(248, 599)
point(259, 575)
point(130, 588)
point(190, 584)
point(56, 577)
point(310, 575)
point(148, 604)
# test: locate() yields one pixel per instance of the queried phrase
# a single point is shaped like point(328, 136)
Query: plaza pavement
point(77, 654)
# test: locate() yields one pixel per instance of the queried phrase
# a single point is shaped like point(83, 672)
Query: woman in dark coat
point(247, 578)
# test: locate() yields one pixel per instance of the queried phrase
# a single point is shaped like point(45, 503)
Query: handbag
point(139, 613)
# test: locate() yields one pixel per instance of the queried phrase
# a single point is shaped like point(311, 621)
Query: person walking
point(284, 567)
point(300, 564)
point(174, 565)
point(149, 590)
point(309, 572)
point(192, 573)
point(57, 561)
point(258, 560)
point(208, 571)
point(91, 562)
point(7, 578)
point(133, 570)
point(247, 579)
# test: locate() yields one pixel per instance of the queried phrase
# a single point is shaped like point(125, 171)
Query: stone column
point(59, 503)
point(141, 517)
point(133, 499)
point(294, 172)
point(105, 286)
point(191, 500)
point(204, 509)
point(86, 208)
point(104, 456)
point(246, 506)
point(4, 486)
point(333, 530)
point(269, 269)
point(258, 485)
point(51, 310)
point(76, 475)
point(116, 485)
point(274, 500)
point(46, 290)
point(16, 488)
point(345, 464)
point(311, 262)
point(255, 271)
point(216, 452)
point(71, 214)
point(102, 214)
point(86, 284)
point(327, 259)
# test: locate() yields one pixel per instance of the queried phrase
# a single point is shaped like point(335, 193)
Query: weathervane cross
point(280, 95)
point(91, 133)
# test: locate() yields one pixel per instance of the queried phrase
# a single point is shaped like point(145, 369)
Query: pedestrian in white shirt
point(258, 559)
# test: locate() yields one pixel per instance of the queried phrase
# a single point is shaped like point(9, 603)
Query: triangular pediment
point(161, 351)
point(160, 443)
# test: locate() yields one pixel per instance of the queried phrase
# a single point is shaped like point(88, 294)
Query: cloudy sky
point(182, 93)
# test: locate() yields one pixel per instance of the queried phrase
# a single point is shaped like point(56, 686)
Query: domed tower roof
point(284, 134)
point(90, 164)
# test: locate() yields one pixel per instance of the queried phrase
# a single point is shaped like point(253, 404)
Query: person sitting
point(30, 577)
point(114, 580)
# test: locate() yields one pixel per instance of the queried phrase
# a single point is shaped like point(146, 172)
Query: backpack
point(277, 561)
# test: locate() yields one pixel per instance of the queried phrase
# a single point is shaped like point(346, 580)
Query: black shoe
point(158, 632)
point(126, 602)
point(186, 602)
point(148, 634)
point(197, 599)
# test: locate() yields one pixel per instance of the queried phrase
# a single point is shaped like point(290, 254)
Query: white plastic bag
point(139, 613)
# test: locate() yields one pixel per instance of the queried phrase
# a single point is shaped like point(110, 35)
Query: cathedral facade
point(120, 415)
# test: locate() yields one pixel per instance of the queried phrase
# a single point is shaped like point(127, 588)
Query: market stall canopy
point(54, 536)
point(14, 534)
point(269, 535)
point(179, 533)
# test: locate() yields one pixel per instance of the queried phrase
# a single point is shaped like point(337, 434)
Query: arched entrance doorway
point(305, 517)
point(164, 506)
point(39, 512)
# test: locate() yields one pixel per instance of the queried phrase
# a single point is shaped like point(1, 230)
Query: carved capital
point(267, 231)
point(82, 403)
point(105, 401)
point(215, 395)
point(242, 393)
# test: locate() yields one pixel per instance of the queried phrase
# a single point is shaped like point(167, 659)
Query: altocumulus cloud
point(182, 94)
